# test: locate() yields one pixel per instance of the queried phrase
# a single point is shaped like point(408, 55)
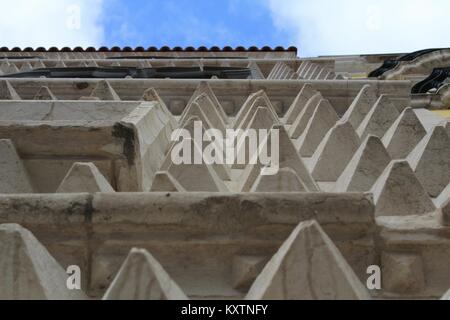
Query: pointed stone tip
point(13, 227)
point(142, 277)
point(29, 271)
point(291, 273)
point(446, 296)
point(84, 177)
point(398, 192)
point(151, 95)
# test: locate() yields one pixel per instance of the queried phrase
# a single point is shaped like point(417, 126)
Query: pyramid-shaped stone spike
point(365, 168)
point(274, 70)
point(398, 192)
point(205, 89)
point(84, 177)
point(288, 158)
point(360, 106)
point(334, 152)
point(259, 103)
point(245, 270)
point(285, 180)
point(322, 74)
point(10, 68)
point(13, 175)
point(189, 124)
point(26, 67)
point(44, 93)
point(164, 182)
point(311, 72)
point(201, 107)
point(196, 177)
point(305, 94)
point(404, 135)
point(7, 92)
point(256, 71)
point(28, 271)
point(305, 65)
point(380, 118)
point(258, 99)
point(141, 277)
point(104, 91)
point(262, 119)
point(316, 73)
point(60, 64)
point(305, 70)
point(299, 125)
point(152, 95)
point(323, 119)
point(430, 161)
point(39, 65)
point(308, 266)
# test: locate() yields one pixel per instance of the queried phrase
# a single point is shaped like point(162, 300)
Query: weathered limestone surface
point(44, 93)
point(334, 152)
point(173, 227)
point(399, 192)
point(365, 167)
point(430, 161)
point(305, 94)
point(152, 95)
point(84, 177)
point(141, 277)
point(360, 107)
point(285, 180)
point(246, 269)
point(258, 99)
point(196, 177)
point(147, 131)
point(215, 244)
point(299, 125)
point(404, 135)
point(165, 182)
point(402, 273)
point(7, 92)
point(28, 271)
point(380, 118)
point(308, 266)
point(202, 107)
point(446, 296)
point(323, 119)
point(13, 175)
point(444, 213)
point(204, 89)
point(104, 91)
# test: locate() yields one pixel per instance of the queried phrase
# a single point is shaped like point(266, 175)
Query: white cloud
point(34, 23)
point(321, 27)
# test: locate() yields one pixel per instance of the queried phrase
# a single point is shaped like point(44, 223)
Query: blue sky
point(190, 23)
point(316, 27)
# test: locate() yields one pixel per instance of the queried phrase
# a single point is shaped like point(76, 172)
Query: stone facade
point(87, 179)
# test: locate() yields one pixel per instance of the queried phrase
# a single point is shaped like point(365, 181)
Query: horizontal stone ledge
point(203, 210)
point(45, 209)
